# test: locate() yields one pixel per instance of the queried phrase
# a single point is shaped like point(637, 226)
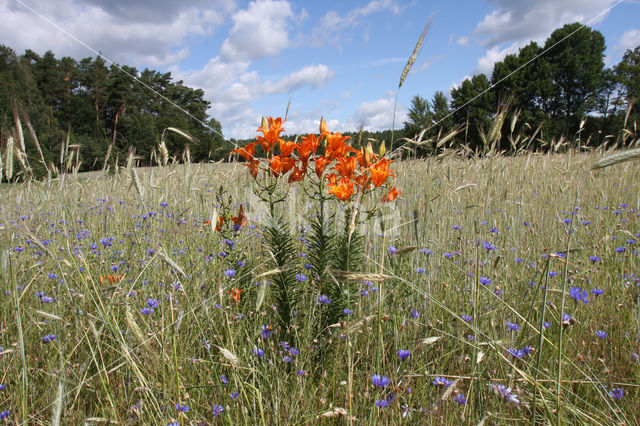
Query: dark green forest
point(83, 115)
point(542, 94)
point(87, 113)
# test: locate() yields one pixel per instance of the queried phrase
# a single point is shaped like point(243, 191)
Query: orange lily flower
point(336, 147)
point(207, 222)
point(112, 279)
point(281, 165)
point(253, 168)
point(332, 178)
point(391, 195)
point(286, 148)
point(296, 175)
point(271, 133)
point(380, 172)
point(246, 151)
point(346, 166)
point(321, 163)
point(241, 220)
point(362, 180)
point(235, 294)
point(343, 190)
point(219, 223)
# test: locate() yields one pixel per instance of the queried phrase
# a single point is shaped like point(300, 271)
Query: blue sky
point(337, 59)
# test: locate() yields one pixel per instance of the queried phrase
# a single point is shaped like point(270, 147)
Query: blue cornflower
point(294, 351)
point(347, 311)
point(567, 319)
point(382, 403)
point(466, 318)
point(456, 227)
point(153, 303)
point(266, 331)
point(415, 313)
point(301, 277)
point(505, 392)
point(46, 299)
point(546, 324)
point(621, 249)
point(420, 270)
point(164, 204)
point(259, 352)
point(286, 358)
point(616, 393)
point(425, 251)
point(230, 272)
point(301, 372)
point(441, 381)
point(553, 274)
point(597, 292)
point(448, 255)
point(579, 294)
point(146, 310)
point(3, 386)
point(224, 379)
point(380, 381)
point(601, 334)
point(218, 409)
point(404, 353)
point(49, 338)
point(392, 250)
point(513, 326)
point(460, 398)
point(233, 395)
point(324, 299)
point(307, 266)
point(4, 414)
point(485, 280)
point(183, 408)
point(594, 259)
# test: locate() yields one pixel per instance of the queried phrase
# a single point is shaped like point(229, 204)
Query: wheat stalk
point(618, 158)
point(32, 132)
point(415, 53)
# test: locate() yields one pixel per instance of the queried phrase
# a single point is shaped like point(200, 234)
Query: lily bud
point(323, 126)
point(264, 123)
point(368, 153)
point(382, 149)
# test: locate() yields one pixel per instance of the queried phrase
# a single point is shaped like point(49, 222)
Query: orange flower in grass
point(321, 163)
point(271, 134)
point(296, 175)
point(247, 151)
point(253, 168)
point(362, 180)
point(380, 172)
point(346, 166)
point(219, 223)
point(308, 146)
point(391, 195)
point(281, 165)
point(111, 279)
point(241, 220)
point(235, 295)
point(286, 148)
point(343, 190)
point(336, 147)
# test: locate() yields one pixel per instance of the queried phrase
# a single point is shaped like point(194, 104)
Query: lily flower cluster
point(347, 170)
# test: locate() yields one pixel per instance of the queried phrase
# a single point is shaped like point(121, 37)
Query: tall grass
point(484, 230)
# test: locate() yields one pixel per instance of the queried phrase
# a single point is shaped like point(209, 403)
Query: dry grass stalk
point(415, 53)
point(617, 159)
point(106, 157)
point(164, 153)
point(136, 182)
point(32, 132)
point(353, 276)
point(171, 263)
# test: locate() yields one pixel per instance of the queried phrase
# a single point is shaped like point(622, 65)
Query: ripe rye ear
point(617, 158)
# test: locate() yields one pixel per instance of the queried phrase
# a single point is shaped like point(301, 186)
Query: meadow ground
point(502, 290)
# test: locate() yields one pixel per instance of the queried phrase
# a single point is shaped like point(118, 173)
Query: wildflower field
point(340, 288)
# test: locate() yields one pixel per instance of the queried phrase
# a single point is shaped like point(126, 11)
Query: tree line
point(551, 92)
point(99, 113)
